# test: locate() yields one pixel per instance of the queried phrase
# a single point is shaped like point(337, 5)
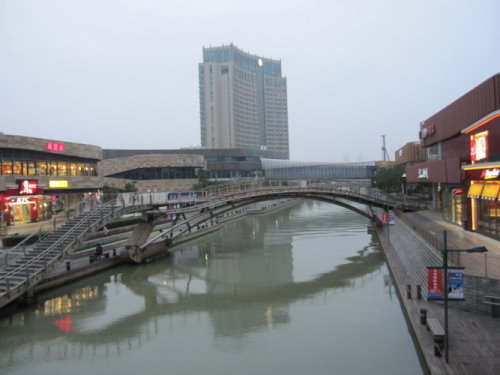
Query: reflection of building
point(463, 145)
point(38, 176)
point(243, 101)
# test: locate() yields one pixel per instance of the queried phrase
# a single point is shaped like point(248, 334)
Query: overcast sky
point(124, 73)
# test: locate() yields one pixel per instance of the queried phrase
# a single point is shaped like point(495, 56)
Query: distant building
point(410, 153)
point(243, 101)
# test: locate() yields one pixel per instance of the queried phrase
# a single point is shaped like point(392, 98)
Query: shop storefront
point(483, 199)
point(483, 174)
point(25, 203)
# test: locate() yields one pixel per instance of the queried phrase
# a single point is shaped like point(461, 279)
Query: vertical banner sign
point(392, 218)
point(435, 283)
point(385, 217)
point(456, 284)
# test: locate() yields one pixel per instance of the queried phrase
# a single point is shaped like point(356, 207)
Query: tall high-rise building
point(243, 101)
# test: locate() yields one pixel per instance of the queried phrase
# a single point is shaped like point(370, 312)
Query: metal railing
point(482, 265)
point(91, 214)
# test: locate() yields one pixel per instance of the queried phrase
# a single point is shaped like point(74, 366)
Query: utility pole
point(385, 155)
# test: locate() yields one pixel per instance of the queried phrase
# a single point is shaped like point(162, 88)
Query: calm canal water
point(301, 291)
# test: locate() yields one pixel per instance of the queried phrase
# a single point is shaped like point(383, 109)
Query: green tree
point(389, 179)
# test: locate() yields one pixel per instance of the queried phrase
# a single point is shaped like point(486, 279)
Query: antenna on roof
point(385, 155)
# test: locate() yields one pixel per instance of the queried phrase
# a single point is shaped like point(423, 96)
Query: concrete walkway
point(474, 339)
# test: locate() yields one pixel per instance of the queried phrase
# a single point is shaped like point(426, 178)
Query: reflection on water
point(303, 289)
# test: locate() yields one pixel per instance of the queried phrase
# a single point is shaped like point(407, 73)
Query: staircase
point(22, 273)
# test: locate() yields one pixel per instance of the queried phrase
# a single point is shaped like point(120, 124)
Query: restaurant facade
point(39, 177)
point(463, 146)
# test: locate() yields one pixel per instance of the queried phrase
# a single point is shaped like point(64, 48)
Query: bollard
point(68, 265)
point(423, 316)
point(408, 291)
point(91, 259)
point(106, 256)
point(419, 292)
point(114, 252)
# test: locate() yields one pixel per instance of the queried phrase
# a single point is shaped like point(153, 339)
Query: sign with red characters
point(55, 147)
point(435, 283)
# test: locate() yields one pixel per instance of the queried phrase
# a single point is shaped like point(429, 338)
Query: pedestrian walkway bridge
point(20, 274)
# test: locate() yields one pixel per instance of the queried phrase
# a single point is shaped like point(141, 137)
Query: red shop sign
point(28, 187)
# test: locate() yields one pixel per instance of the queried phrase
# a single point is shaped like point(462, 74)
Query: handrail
point(92, 213)
point(489, 300)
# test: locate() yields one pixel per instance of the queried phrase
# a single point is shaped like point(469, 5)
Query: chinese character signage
point(55, 147)
point(435, 283)
point(478, 146)
point(388, 218)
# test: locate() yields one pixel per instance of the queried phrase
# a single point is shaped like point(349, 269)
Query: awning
point(490, 191)
point(475, 191)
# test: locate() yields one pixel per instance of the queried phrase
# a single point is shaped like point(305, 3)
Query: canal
point(302, 290)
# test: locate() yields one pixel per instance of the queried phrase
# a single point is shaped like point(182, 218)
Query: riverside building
point(40, 176)
point(463, 167)
point(243, 101)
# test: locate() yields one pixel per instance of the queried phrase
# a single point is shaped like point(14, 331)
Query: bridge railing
point(280, 185)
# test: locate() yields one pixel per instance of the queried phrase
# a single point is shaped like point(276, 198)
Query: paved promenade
point(474, 339)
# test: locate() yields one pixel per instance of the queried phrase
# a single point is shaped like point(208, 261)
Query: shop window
point(31, 168)
point(41, 168)
point(72, 169)
point(62, 169)
point(17, 168)
point(80, 170)
point(25, 168)
point(52, 168)
point(7, 168)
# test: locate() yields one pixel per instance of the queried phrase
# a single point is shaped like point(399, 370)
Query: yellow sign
point(61, 184)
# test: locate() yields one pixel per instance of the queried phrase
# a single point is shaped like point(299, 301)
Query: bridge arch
point(208, 214)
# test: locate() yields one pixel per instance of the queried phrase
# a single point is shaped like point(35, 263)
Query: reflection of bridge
point(21, 274)
point(130, 331)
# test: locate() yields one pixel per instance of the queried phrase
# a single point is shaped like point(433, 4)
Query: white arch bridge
point(22, 273)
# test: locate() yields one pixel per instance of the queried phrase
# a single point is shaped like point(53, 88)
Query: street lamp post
point(480, 249)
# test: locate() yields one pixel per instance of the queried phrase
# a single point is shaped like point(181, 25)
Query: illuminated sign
point(489, 174)
point(55, 147)
point(423, 172)
point(457, 191)
point(19, 201)
point(435, 283)
point(58, 184)
point(28, 187)
point(478, 146)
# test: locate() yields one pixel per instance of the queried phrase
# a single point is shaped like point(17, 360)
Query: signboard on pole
point(455, 284)
point(435, 284)
point(385, 218)
point(392, 218)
